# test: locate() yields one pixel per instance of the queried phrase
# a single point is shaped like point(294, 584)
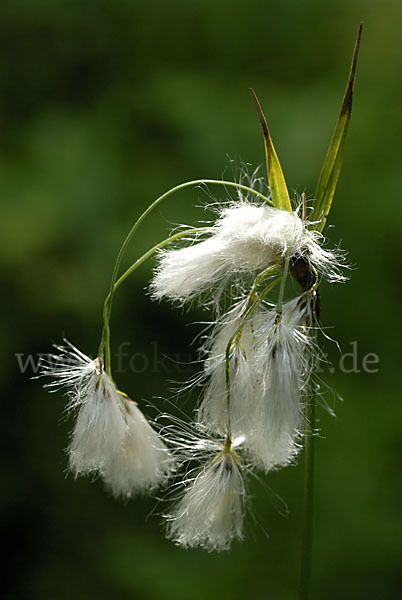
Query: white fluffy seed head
point(183, 273)
point(280, 375)
point(72, 370)
point(213, 413)
point(273, 439)
point(100, 428)
point(210, 513)
point(268, 371)
point(143, 462)
point(246, 238)
point(255, 234)
point(111, 436)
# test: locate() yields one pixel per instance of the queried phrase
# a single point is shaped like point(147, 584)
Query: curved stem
point(107, 308)
point(260, 278)
point(105, 339)
point(151, 251)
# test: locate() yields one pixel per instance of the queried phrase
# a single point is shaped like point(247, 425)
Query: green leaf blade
point(332, 165)
point(276, 180)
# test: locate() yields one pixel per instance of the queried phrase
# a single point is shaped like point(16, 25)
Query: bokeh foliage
point(103, 106)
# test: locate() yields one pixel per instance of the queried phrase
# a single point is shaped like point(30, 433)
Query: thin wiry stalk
point(152, 251)
point(107, 307)
point(309, 479)
point(308, 520)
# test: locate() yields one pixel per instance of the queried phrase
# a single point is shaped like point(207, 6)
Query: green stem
point(271, 270)
point(151, 251)
point(309, 465)
point(107, 307)
point(105, 340)
point(307, 534)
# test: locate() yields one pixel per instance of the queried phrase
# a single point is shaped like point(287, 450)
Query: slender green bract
point(276, 180)
point(322, 205)
point(333, 161)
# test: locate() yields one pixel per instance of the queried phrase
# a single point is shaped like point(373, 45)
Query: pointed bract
point(333, 161)
point(276, 180)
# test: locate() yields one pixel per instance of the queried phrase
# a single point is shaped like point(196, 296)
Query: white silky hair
point(111, 436)
point(269, 370)
point(213, 410)
point(144, 461)
point(246, 237)
point(210, 513)
point(256, 234)
point(100, 428)
point(282, 368)
point(183, 273)
point(73, 370)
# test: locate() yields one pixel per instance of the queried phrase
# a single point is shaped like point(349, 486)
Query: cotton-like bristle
point(281, 373)
point(213, 412)
point(269, 368)
point(111, 436)
point(273, 437)
point(100, 429)
point(183, 273)
point(210, 513)
point(143, 463)
point(255, 234)
point(73, 370)
point(246, 238)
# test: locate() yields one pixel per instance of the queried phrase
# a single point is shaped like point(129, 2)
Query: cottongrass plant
point(257, 408)
point(247, 237)
point(111, 437)
point(270, 362)
point(208, 501)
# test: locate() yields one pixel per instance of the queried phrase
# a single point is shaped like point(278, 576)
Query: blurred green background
point(104, 105)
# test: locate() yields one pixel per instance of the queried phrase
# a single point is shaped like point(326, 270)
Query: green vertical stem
point(307, 534)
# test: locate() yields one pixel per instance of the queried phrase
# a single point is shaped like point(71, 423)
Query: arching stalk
point(104, 346)
point(105, 338)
